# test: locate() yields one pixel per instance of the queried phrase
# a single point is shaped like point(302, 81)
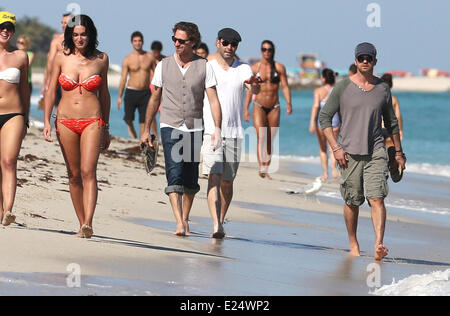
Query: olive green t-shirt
point(361, 115)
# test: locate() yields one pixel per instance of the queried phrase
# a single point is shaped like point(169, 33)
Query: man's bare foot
point(336, 174)
point(381, 251)
point(219, 233)
point(8, 219)
point(354, 250)
point(180, 230)
point(186, 227)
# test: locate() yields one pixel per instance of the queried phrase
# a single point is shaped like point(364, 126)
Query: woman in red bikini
point(266, 112)
point(14, 108)
point(82, 119)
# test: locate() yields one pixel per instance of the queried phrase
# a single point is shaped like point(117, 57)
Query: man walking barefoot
point(363, 101)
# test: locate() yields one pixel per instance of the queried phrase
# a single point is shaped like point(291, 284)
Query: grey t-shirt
point(361, 116)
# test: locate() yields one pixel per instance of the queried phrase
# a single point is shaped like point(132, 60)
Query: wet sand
point(277, 244)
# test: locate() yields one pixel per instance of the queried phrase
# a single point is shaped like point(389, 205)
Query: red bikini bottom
point(79, 125)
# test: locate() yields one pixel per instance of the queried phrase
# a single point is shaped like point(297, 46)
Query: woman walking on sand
point(14, 109)
point(266, 112)
point(82, 119)
point(321, 96)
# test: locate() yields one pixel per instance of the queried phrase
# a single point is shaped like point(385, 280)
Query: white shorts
point(224, 160)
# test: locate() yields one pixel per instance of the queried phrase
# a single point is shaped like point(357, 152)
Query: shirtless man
point(266, 112)
point(139, 65)
point(56, 46)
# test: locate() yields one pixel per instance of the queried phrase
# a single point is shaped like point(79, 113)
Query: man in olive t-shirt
point(363, 101)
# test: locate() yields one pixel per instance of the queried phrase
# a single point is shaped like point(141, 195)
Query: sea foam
point(434, 284)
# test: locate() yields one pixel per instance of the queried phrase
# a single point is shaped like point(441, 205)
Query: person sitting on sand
point(14, 110)
point(321, 95)
point(363, 101)
point(82, 119)
point(266, 112)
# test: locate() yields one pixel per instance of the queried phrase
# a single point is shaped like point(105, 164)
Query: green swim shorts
point(365, 177)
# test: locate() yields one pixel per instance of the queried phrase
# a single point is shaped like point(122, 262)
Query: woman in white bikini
point(266, 112)
point(14, 109)
point(321, 96)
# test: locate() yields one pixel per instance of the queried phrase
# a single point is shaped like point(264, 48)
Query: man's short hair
point(137, 34)
point(156, 45)
point(192, 31)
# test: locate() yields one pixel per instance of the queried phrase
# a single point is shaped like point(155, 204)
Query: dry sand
point(278, 244)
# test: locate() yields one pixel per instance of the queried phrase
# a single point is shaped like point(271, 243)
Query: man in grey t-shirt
point(363, 101)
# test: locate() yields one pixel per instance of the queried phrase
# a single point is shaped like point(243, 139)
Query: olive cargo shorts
point(365, 177)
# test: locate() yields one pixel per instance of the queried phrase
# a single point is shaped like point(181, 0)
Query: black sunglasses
point(270, 50)
point(225, 43)
point(7, 26)
point(181, 41)
point(362, 58)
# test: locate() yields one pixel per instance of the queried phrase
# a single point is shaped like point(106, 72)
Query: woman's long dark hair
point(91, 31)
point(273, 71)
point(329, 76)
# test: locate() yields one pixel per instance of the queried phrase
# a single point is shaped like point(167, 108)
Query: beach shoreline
point(277, 244)
point(407, 84)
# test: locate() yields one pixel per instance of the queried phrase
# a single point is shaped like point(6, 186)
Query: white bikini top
point(11, 75)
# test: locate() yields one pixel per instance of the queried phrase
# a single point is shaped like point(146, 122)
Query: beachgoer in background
point(202, 50)
point(180, 83)
point(56, 46)
point(221, 164)
point(156, 49)
point(363, 101)
point(14, 110)
point(352, 70)
point(82, 119)
point(139, 66)
point(320, 98)
point(266, 112)
point(396, 104)
point(23, 43)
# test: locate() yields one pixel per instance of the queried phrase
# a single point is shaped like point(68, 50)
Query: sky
point(409, 35)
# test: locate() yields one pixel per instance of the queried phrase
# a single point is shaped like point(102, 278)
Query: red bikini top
point(91, 84)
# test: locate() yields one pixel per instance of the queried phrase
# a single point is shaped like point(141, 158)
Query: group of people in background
point(202, 103)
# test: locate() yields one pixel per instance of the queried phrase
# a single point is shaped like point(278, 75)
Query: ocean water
point(425, 118)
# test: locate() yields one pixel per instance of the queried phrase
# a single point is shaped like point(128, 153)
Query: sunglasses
point(181, 41)
point(270, 50)
point(225, 43)
point(362, 58)
point(7, 26)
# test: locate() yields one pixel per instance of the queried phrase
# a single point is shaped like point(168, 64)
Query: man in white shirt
point(221, 164)
point(181, 81)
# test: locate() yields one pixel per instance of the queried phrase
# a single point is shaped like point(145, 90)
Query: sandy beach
point(277, 243)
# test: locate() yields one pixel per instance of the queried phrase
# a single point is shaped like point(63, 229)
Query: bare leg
point(379, 226)
point(214, 204)
point(274, 124)
point(226, 195)
point(131, 130)
point(323, 152)
point(90, 151)
point(177, 208)
point(70, 147)
point(11, 136)
point(351, 220)
point(188, 200)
